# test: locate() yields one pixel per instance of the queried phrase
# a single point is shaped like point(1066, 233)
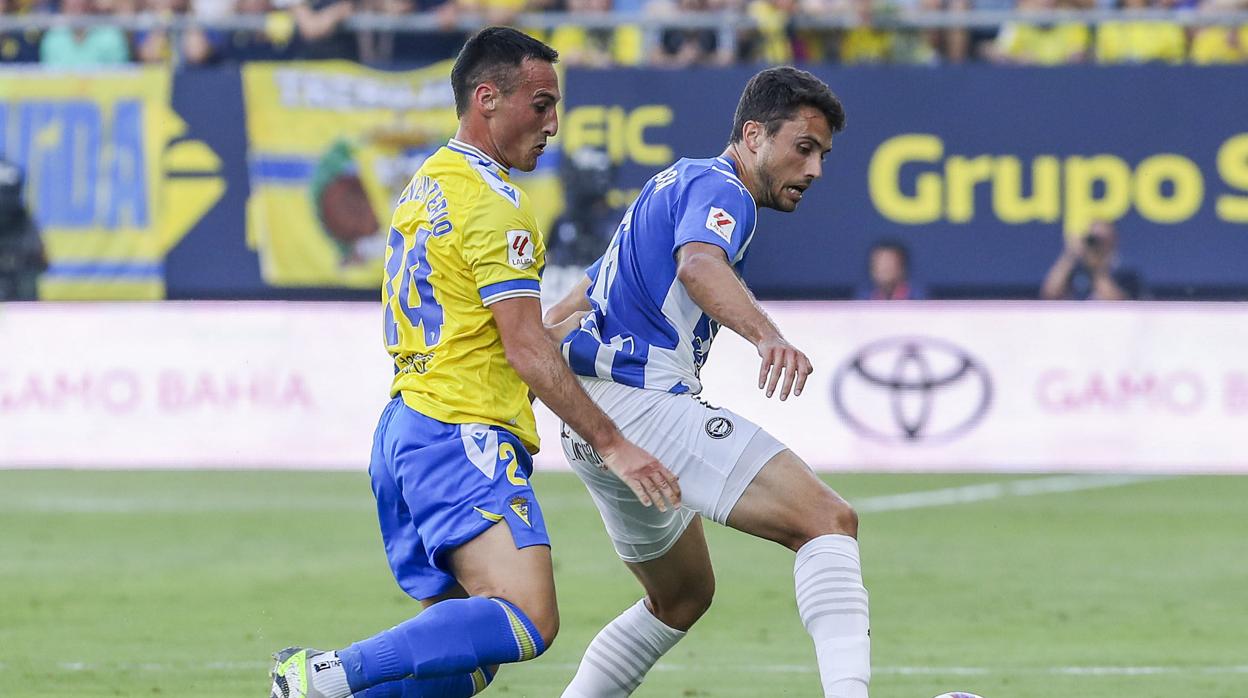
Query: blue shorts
point(440, 485)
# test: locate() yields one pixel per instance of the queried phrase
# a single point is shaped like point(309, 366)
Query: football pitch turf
point(182, 584)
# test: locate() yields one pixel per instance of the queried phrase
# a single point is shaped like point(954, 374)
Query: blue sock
point(461, 686)
point(449, 638)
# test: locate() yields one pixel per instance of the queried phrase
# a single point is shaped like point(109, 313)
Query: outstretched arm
point(574, 302)
point(713, 284)
point(539, 363)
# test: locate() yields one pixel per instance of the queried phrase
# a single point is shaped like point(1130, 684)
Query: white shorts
point(713, 451)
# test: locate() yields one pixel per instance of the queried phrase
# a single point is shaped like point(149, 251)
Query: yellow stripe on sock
point(478, 681)
point(528, 648)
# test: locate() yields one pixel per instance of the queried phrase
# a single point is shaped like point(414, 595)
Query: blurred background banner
point(328, 145)
point(274, 180)
point(992, 387)
point(981, 171)
point(96, 152)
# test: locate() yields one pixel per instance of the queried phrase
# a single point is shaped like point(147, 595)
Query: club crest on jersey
point(721, 223)
point(520, 249)
point(520, 505)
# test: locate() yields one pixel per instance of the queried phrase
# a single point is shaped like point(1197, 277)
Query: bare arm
point(574, 302)
point(1057, 281)
point(714, 285)
point(540, 365)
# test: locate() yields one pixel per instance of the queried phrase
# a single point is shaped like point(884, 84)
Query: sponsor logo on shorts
point(718, 427)
point(577, 448)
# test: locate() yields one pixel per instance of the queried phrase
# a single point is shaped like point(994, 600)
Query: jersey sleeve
point(715, 209)
point(504, 249)
point(593, 269)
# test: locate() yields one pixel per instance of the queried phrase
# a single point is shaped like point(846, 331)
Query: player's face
point(791, 160)
point(526, 117)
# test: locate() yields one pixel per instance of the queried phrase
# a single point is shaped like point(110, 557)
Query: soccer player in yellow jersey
point(451, 455)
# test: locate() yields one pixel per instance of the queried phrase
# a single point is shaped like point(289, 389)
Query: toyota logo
point(912, 389)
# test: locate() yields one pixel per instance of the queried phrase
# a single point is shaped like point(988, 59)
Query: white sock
point(833, 605)
point(328, 677)
point(620, 655)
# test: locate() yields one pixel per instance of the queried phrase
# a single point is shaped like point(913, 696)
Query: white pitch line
point(996, 490)
point(245, 666)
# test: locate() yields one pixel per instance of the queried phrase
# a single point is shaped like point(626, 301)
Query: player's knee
point(683, 609)
point(549, 628)
point(546, 621)
point(542, 616)
point(830, 515)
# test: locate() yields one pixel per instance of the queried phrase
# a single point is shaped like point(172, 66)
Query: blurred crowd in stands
point(315, 29)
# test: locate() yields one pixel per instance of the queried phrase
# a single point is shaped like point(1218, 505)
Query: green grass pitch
point(182, 583)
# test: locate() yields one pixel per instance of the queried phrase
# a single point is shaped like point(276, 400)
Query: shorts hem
point(687, 518)
point(741, 479)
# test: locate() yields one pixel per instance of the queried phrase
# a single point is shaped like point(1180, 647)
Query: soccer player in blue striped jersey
point(668, 280)
point(452, 452)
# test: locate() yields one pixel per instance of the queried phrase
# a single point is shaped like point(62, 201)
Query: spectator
point(195, 46)
point(774, 41)
point(320, 30)
point(498, 11)
point(63, 47)
point(22, 258)
point(596, 48)
point(1090, 268)
point(888, 265)
point(271, 43)
point(1029, 43)
point(413, 48)
point(865, 43)
point(950, 45)
point(17, 46)
point(680, 48)
point(1220, 45)
point(1134, 41)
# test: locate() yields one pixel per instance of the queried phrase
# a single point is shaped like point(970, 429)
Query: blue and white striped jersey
point(644, 329)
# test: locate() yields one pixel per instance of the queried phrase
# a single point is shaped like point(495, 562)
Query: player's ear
point(486, 97)
point(752, 133)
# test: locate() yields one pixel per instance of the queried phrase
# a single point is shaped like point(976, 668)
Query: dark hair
point(774, 95)
point(892, 245)
point(492, 55)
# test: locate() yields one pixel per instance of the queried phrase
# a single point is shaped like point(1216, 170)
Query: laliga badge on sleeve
point(520, 249)
point(721, 223)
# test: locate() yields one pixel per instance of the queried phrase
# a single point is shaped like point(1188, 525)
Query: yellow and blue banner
point(96, 152)
point(330, 146)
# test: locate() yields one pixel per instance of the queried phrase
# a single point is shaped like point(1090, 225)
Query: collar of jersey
point(471, 150)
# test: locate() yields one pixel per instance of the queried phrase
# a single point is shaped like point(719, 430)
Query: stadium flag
point(330, 146)
point(96, 150)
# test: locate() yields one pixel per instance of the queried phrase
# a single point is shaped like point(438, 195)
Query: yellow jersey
point(463, 237)
point(1140, 42)
point(1056, 45)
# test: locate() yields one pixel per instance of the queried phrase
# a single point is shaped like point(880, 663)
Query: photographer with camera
point(1090, 269)
point(22, 258)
